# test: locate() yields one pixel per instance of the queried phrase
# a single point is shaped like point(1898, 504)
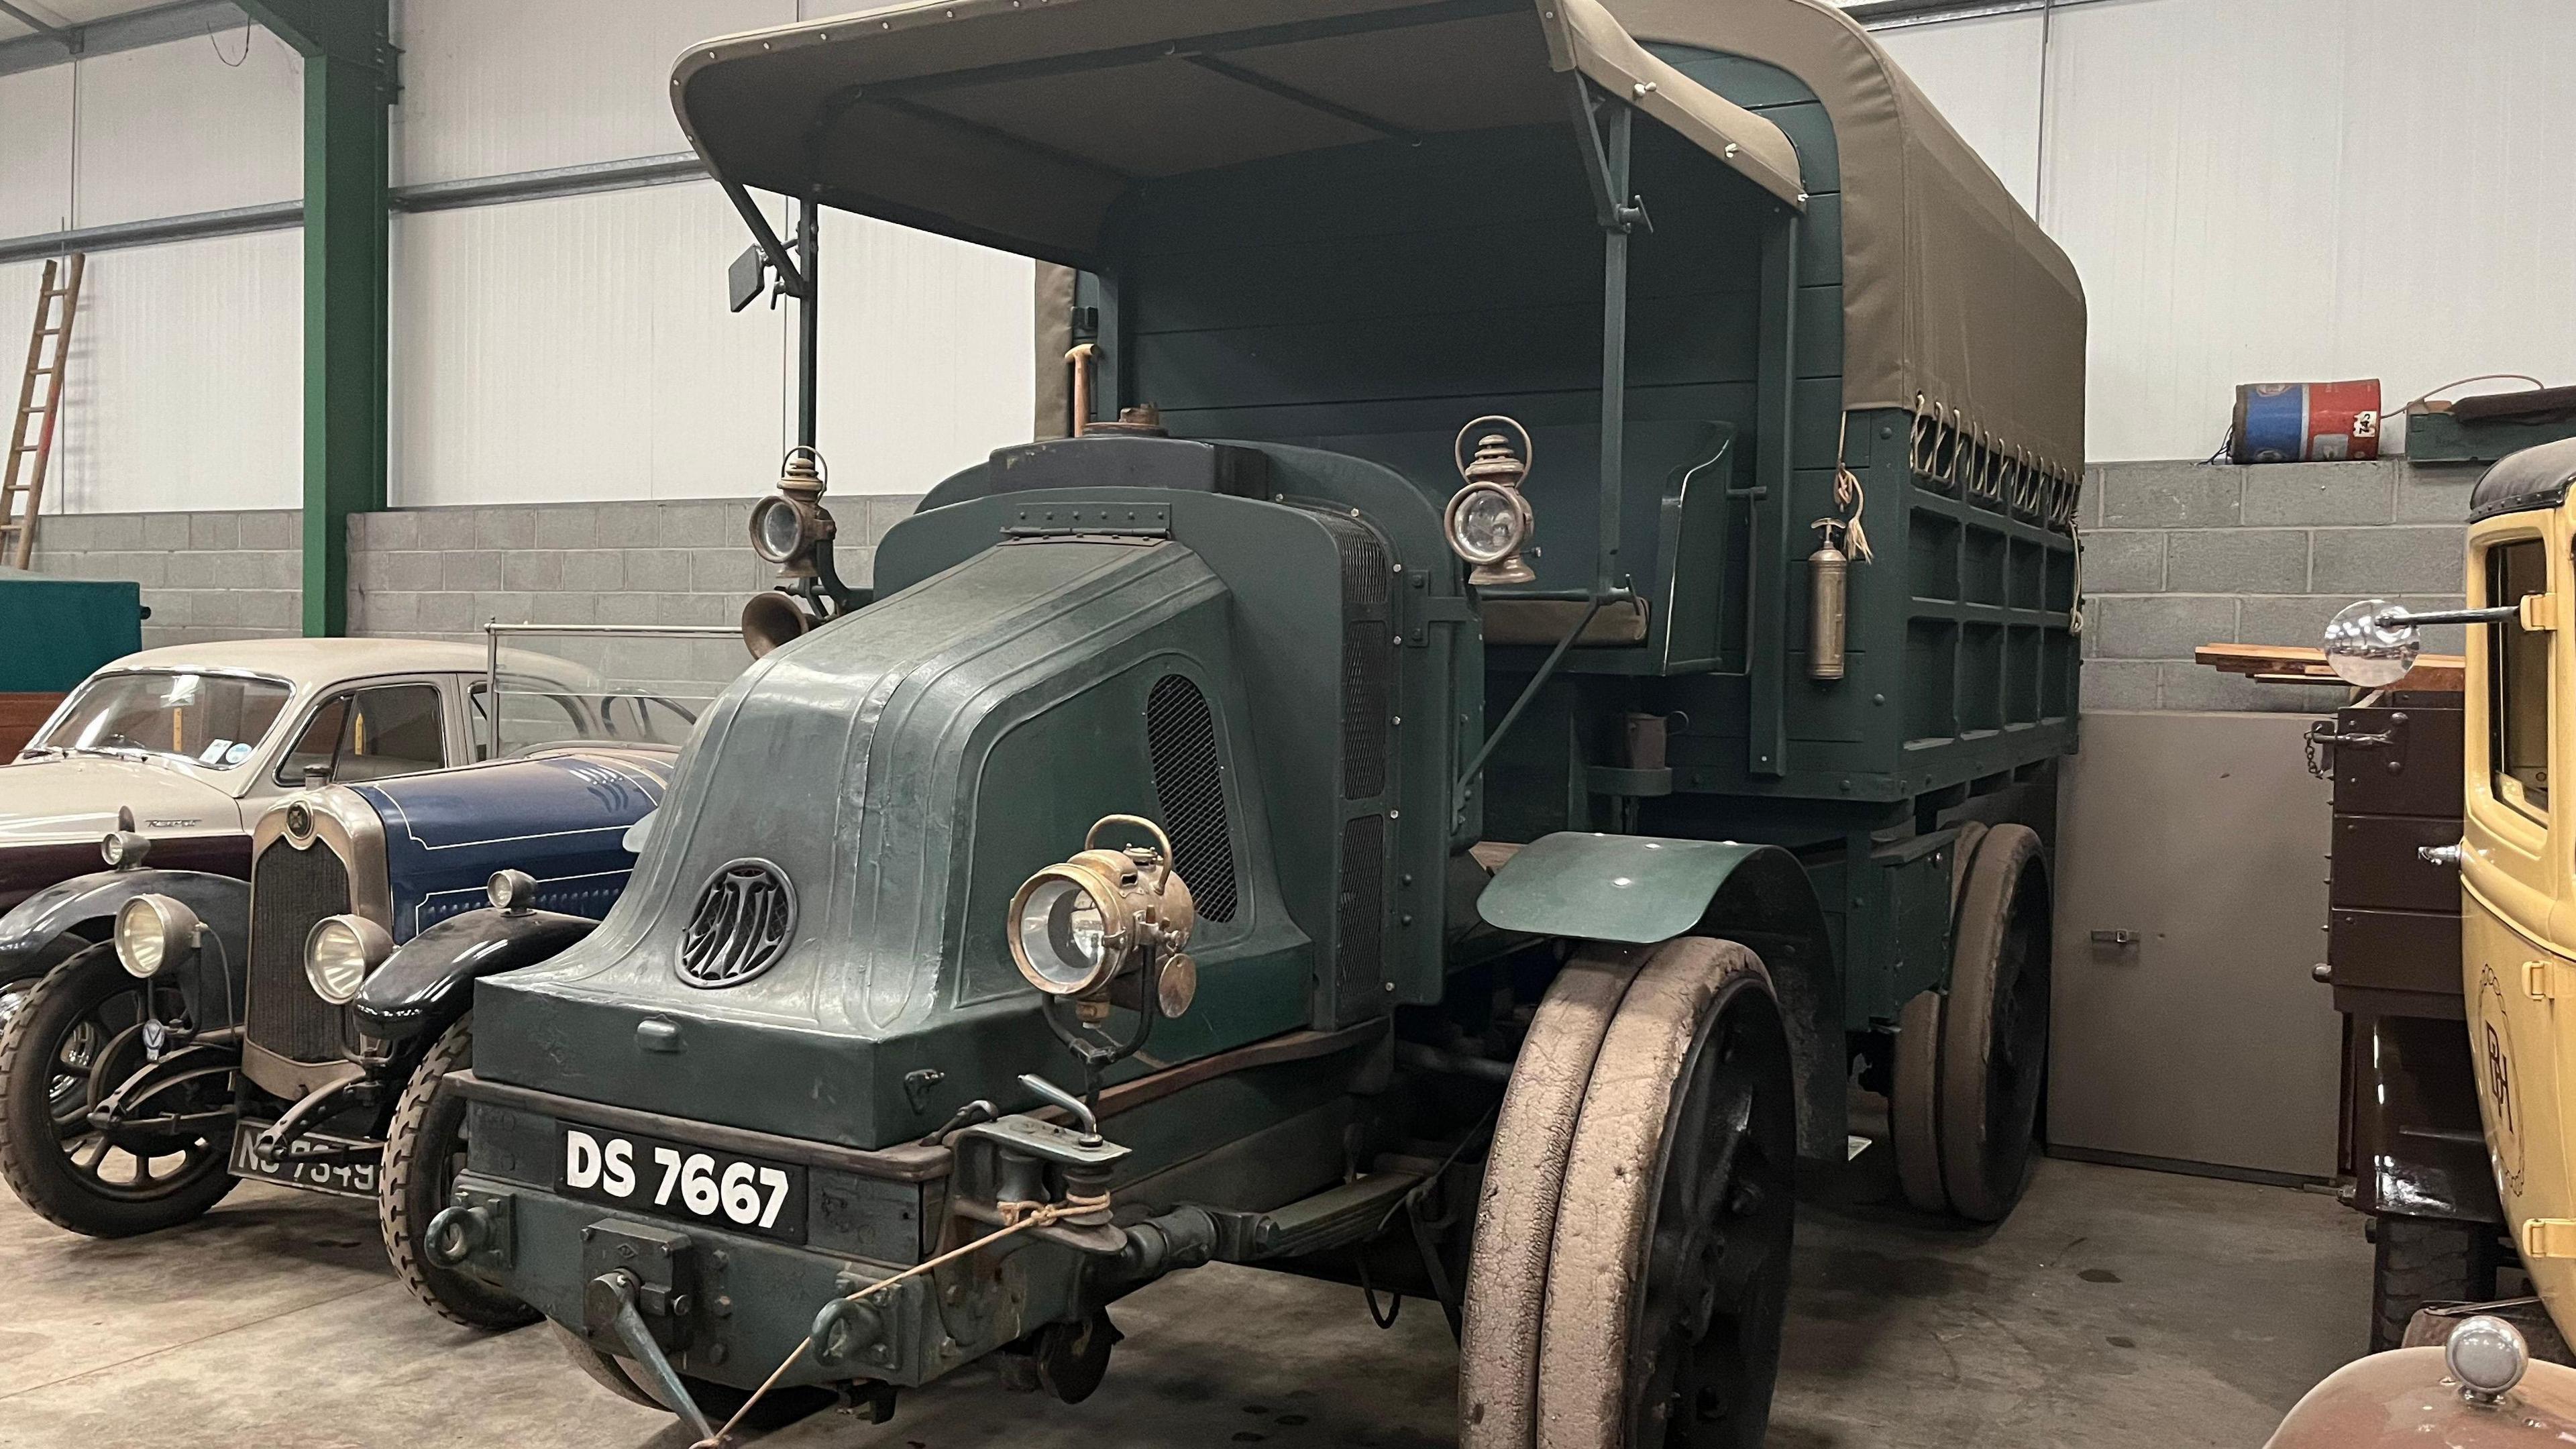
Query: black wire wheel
point(1994, 1030)
point(1666, 1270)
point(75, 1037)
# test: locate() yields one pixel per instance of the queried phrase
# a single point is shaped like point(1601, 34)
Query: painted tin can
point(2306, 422)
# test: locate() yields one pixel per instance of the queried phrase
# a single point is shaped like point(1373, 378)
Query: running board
point(1349, 1213)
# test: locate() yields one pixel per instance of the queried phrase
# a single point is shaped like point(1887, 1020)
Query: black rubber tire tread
point(411, 1187)
point(1985, 919)
point(1914, 1104)
point(1606, 1210)
point(2424, 1260)
point(1524, 1176)
point(31, 1156)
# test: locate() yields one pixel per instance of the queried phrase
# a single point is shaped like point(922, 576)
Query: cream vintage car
point(190, 744)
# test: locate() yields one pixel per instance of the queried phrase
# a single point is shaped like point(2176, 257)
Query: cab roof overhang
point(1021, 123)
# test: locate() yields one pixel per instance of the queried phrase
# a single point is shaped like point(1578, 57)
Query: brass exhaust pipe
point(1082, 359)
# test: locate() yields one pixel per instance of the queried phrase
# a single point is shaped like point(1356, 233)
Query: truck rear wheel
point(1666, 1261)
point(424, 1153)
point(76, 1035)
point(1914, 1094)
point(1994, 1028)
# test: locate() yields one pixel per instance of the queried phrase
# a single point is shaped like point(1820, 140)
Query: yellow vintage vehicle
point(2504, 1378)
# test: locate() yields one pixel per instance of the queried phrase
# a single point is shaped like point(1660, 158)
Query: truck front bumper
point(728, 1302)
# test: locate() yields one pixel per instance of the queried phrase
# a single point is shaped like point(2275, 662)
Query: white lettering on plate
point(581, 1159)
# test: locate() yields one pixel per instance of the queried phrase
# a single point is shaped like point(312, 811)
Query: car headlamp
point(1488, 522)
point(1075, 926)
point(153, 932)
point(339, 954)
point(124, 849)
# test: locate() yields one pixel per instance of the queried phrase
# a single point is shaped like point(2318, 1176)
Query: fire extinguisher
point(1828, 585)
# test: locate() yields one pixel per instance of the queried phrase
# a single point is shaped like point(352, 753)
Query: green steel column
point(348, 84)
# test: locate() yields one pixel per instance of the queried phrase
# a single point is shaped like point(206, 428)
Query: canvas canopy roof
point(1021, 123)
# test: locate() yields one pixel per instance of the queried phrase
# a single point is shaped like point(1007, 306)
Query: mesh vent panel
point(1181, 734)
point(1368, 661)
point(291, 890)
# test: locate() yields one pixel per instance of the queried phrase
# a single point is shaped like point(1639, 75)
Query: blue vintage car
point(208, 1029)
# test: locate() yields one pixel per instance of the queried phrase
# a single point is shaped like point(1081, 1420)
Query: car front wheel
point(424, 1154)
point(74, 1036)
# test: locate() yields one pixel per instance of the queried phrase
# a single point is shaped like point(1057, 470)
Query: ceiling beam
point(62, 44)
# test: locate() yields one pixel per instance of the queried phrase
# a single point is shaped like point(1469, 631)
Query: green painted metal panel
point(59, 630)
point(348, 85)
point(1609, 887)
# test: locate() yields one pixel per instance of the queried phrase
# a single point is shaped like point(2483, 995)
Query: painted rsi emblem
point(740, 927)
point(2492, 1047)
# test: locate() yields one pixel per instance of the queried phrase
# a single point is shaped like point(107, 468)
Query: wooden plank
point(2299, 664)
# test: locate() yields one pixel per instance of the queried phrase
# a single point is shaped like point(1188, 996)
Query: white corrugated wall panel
point(578, 348)
point(186, 384)
point(494, 87)
point(35, 152)
point(2308, 190)
point(927, 355)
point(178, 128)
point(1983, 74)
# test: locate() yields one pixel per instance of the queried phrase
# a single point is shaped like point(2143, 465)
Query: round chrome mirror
point(2372, 644)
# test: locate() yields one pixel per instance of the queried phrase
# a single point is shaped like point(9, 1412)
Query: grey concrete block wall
point(2177, 555)
point(204, 576)
point(440, 573)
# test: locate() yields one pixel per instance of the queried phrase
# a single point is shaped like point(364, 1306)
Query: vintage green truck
point(1527, 694)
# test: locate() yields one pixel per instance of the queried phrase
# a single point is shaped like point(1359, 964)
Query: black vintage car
point(199, 1030)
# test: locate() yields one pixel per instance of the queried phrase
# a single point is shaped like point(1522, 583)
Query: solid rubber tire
point(1986, 910)
point(1914, 1090)
point(1603, 1216)
point(1914, 1104)
point(1524, 1176)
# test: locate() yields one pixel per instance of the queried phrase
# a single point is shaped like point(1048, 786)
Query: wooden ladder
point(22, 481)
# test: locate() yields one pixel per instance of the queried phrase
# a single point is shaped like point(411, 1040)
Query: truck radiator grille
point(1190, 786)
point(1368, 661)
point(290, 890)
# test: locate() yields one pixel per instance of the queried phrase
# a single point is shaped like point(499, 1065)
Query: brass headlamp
point(1078, 926)
point(787, 525)
point(1489, 520)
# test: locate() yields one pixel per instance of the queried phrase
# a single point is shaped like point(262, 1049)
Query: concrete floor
point(2116, 1308)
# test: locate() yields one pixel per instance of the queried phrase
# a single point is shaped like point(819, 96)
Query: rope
point(1850, 496)
point(1020, 1217)
point(2427, 395)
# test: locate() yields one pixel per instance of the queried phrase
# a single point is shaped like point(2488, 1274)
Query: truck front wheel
point(1632, 1248)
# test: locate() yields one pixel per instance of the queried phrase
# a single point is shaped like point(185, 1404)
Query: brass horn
point(771, 619)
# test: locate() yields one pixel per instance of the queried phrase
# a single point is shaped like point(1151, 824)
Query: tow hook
point(608, 1304)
